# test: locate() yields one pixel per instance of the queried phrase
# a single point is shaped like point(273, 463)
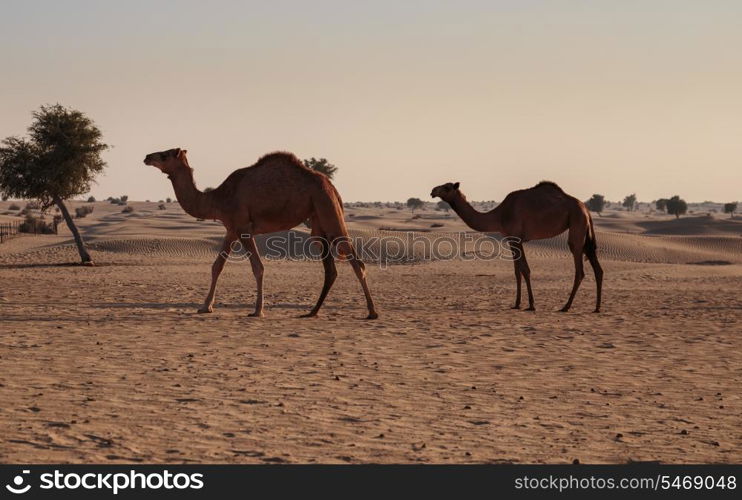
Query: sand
point(112, 363)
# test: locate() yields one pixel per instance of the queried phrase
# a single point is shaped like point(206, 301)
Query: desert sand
point(112, 364)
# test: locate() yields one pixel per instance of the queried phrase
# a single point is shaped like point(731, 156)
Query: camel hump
point(283, 156)
point(550, 184)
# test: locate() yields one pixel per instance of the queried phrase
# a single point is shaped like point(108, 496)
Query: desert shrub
point(162, 206)
point(33, 205)
point(36, 225)
point(436, 224)
point(416, 216)
point(81, 212)
point(91, 199)
point(127, 209)
point(114, 201)
point(14, 206)
point(124, 198)
point(168, 200)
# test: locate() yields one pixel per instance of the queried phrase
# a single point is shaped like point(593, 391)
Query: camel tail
point(591, 244)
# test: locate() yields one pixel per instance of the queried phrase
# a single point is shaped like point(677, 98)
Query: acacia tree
point(676, 206)
point(58, 160)
point(661, 204)
point(415, 203)
point(630, 202)
point(596, 203)
point(730, 208)
point(321, 165)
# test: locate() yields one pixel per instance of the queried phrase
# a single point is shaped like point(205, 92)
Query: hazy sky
point(599, 96)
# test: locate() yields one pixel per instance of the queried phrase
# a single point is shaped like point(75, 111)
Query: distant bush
point(35, 225)
point(91, 199)
point(416, 216)
point(81, 212)
point(124, 198)
point(162, 206)
point(436, 224)
point(114, 201)
point(14, 206)
point(169, 200)
point(33, 205)
point(127, 210)
point(415, 203)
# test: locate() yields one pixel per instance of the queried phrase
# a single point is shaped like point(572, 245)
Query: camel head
point(168, 161)
point(445, 192)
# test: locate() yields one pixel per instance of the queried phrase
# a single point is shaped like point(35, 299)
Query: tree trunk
point(84, 255)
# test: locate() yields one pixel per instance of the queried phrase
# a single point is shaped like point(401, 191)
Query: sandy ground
point(112, 364)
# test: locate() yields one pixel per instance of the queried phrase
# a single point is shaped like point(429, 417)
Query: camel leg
point(593, 258)
point(257, 270)
point(346, 248)
point(216, 270)
point(526, 272)
point(516, 265)
point(579, 274)
point(328, 261)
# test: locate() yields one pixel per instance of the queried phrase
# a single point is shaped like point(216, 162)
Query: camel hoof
point(564, 310)
point(530, 308)
point(309, 315)
point(372, 315)
point(597, 310)
point(205, 310)
point(256, 315)
point(516, 306)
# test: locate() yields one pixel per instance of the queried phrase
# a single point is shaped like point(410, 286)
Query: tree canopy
point(630, 202)
point(676, 206)
point(321, 165)
point(596, 203)
point(59, 159)
point(730, 208)
point(415, 203)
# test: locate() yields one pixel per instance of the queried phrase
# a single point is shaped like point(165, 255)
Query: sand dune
point(112, 364)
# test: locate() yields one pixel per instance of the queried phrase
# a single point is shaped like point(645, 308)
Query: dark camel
point(542, 211)
point(276, 194)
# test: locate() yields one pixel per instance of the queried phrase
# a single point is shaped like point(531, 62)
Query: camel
point(540, 212)
point(275, 194)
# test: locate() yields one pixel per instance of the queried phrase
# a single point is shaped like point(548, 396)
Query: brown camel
point(275, 194)
point(542, 211)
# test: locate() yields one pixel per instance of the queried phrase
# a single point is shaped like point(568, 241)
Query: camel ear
point(176, 152)
point(456, 185)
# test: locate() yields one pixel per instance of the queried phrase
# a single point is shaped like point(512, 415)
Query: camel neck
point(196, 203)
point(478, 221)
